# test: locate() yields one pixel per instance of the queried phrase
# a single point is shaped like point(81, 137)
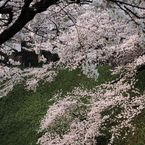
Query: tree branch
point(117, 1)
point(27, 14)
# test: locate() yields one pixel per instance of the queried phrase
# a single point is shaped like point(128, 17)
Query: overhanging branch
point(26, 15)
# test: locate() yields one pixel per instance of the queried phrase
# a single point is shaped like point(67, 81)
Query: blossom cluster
point(107, 40)
point(86, 130)
point(31, 77)
point(90, 70)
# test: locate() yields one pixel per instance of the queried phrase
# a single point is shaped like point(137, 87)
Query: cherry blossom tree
point(108, 31)
point(102, 40)
point(16, 14)
point(23, 12)
point(67, 29)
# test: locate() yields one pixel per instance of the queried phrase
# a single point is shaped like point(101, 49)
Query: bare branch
point(116, 1)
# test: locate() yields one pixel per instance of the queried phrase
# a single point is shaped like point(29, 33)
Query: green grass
point(139, 121)
point(139, 135)
point(105, 74)
point(105, 138)
point(20, 113)
point(21, 110)
point(140, 84)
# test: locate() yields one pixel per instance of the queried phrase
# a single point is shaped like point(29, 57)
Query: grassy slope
point(139, 121)
point(21, 111)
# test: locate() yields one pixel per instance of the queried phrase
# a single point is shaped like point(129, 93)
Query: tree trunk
point(25, 16)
